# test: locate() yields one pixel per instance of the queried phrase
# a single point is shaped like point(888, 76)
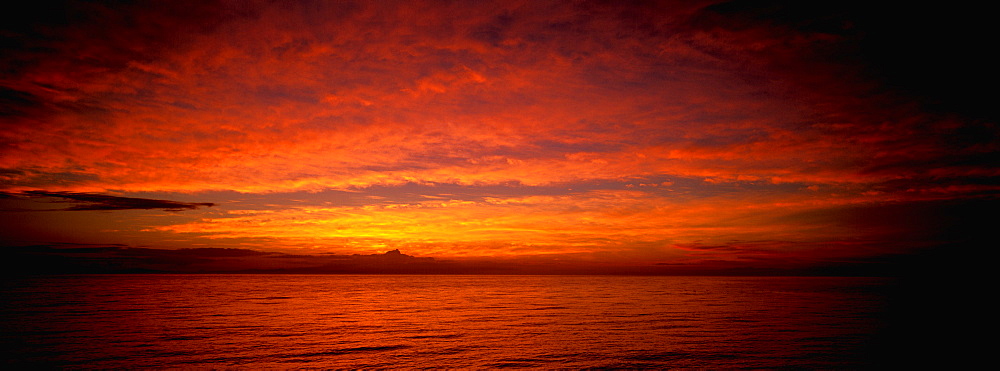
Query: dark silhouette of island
point(117, 258)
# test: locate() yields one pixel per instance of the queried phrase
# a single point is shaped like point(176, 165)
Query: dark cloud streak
point(94, 201)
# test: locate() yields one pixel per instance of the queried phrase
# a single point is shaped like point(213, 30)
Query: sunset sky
point(655, 134)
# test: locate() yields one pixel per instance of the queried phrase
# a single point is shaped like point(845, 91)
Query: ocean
point(147, 321)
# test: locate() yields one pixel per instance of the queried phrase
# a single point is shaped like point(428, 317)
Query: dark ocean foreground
point(442, 321)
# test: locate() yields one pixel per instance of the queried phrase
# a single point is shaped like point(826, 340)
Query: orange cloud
point(587, 223)
point(725, 123)
point(236, 106)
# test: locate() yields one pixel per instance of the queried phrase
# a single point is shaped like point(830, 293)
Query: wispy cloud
point(315, 96)
point(533, 127)
point(93, 201)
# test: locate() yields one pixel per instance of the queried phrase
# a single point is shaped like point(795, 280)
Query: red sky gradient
point(666, 134)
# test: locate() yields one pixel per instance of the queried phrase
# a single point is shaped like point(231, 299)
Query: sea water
point(440, 321)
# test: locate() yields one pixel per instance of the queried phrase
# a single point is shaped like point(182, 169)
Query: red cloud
point(762, 110)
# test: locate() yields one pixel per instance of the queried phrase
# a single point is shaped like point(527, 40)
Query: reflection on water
point(340, 321)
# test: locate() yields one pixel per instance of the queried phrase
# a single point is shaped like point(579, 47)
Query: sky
point(657, 136)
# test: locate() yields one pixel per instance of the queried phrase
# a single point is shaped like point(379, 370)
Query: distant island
point(123, 259)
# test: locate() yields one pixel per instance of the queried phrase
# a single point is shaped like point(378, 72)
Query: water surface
point(413, 321)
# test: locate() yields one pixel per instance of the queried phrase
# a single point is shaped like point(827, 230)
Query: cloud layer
point(652, 130)
point(285, 97)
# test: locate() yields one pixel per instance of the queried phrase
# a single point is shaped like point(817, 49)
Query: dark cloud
point(54, 53)
point(929, 53)
point(15, 102)
point(94, 201)
point(128, 30)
